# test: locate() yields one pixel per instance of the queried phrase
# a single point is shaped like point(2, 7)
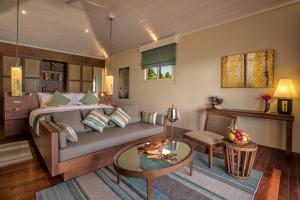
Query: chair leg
point(210, 156)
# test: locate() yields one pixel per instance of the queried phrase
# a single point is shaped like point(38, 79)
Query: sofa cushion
point(120, 117)
point(149, 117)
point(72, 118)
point(108, 111)
point(93, 141)
point(96, 120)
point(71, 136)
point(160, 119)
point(133, 112)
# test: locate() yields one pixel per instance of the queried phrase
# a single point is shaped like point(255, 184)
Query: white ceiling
point(54, 24)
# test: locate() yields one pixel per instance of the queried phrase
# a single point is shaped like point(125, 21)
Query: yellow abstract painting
point(260, 69)
point(233, 71)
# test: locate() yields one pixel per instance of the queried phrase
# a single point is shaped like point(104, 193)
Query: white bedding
point(40, 111)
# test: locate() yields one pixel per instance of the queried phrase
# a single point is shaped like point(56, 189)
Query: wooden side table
point(239, 159)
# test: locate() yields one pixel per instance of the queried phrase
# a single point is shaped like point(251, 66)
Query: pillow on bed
point(77, 97)
point(58, 99)
point(44, 98)
point(96, 120)
point(89, 99)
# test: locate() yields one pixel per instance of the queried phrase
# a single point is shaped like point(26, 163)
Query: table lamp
point(285, 92)
point(172, 116)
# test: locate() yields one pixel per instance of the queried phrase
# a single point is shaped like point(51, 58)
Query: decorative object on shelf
point(60, 76)
point(267, 98)
point(16, 70)
point(250, 70)
point(285, 92)
point(46, 76)
point(172, 116)
point(216, 102)
point(53, 66)
point(124, 83)
point(238, 136)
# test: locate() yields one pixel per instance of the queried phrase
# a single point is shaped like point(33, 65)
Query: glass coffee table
point(129, 162)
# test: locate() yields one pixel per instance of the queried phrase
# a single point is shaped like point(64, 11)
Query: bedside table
point(16, 114)
point(106, 100)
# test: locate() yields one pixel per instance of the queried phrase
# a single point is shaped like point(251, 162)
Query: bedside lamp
point(285, 92)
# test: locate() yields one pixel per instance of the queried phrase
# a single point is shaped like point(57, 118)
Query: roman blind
point(161, 56)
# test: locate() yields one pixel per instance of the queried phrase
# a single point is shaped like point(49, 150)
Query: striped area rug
point(204, 184)
point(14, 152)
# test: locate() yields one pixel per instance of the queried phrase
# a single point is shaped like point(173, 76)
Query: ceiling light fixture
point(23, 12)
point(87, 30)
point(151, 33)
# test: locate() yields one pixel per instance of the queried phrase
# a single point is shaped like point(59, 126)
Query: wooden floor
point(21, 181)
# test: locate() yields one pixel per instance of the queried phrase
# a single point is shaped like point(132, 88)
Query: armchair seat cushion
point(206, 137)
point(93, 141)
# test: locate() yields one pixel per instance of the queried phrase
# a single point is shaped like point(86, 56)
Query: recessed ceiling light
point(87, 30)
point(23, 12)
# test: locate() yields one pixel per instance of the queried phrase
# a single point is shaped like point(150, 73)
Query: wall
point(198, 73)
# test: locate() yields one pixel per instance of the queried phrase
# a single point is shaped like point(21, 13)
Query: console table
point(289, 119)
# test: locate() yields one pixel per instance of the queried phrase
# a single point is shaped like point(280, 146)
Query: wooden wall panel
point(6, 84)
point(6, 48)
point(32, 85)
point(87, 73)
point(74, 86)
point(86, 86)
point(32, 67)
point(74, 72)
point(8, 62)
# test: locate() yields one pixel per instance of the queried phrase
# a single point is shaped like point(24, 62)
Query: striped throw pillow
point(120, 118)
point(96, 120)
point(69, 131)
point(149, 117)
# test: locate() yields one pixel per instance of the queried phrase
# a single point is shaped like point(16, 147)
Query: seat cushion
point(72, 118)
point(93, 141)
point(206, 137)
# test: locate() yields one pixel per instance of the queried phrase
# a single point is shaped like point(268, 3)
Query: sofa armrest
point(47, 144)
point(61, 135)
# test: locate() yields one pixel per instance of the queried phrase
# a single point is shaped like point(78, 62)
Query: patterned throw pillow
point(96, 120)
point(69, 131)
point(149, 117)
point(120, 118)
point(58, 99)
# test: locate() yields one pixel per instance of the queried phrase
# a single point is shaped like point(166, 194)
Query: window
point(159, 73)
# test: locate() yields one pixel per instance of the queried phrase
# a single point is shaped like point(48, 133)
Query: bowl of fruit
point(238, 136)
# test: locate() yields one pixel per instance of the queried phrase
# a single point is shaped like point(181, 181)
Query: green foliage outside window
point(164, 72)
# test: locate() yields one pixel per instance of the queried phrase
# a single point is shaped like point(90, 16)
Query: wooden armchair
point(215, 129)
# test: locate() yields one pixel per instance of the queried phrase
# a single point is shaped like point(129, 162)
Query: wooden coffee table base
point(149, 181)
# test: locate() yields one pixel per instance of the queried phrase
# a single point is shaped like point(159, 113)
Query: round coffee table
point(127, 162)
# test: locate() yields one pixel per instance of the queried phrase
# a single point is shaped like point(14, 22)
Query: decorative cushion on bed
point(133, 112)
point(72, 118)
point(149, 117)
point(89, 99)
point(120, 117)
point(69, 131)
point(58, 99)
point(96, 120)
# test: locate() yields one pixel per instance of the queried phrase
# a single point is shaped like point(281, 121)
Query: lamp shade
point(16, 81)
point(285, 89)
point(109, 81)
